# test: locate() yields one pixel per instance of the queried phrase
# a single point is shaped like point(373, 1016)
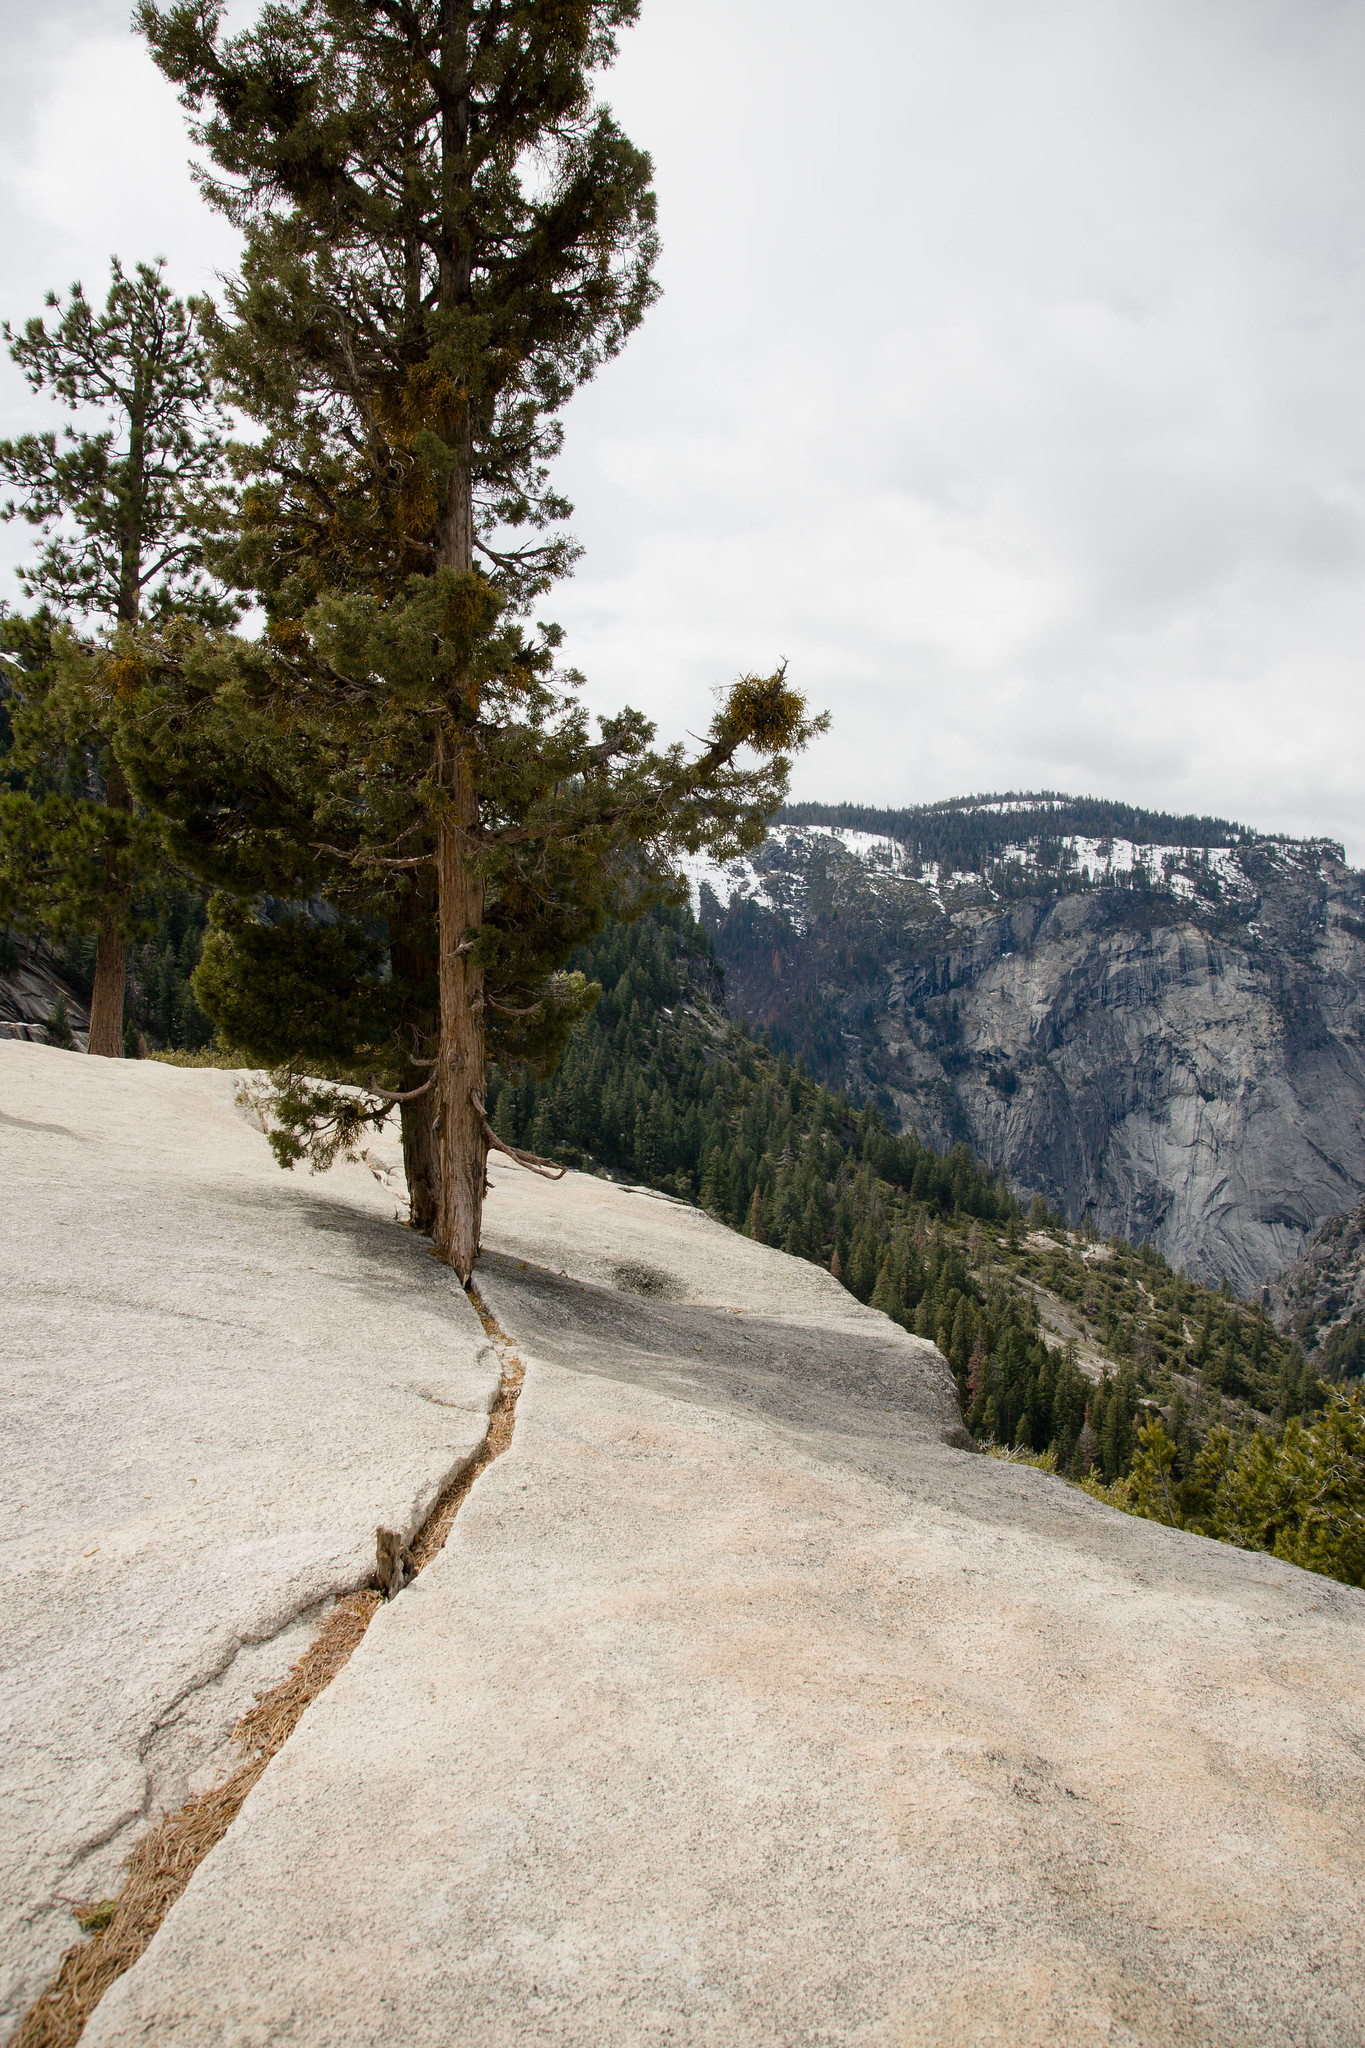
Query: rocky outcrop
point(741, 1709)
point(1167, 1040)
point(743, 1704)
point(1320, 1299)
point(29, 987)
point(218, 1380)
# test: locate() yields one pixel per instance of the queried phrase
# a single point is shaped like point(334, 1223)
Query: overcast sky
point(1009, 380)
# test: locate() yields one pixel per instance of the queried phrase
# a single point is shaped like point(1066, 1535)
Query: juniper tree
point(116, 507)
point(444, 236)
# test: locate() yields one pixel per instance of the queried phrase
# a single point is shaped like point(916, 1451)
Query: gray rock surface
point(1320, 1299)
point(28, 996)
point(218, 1379)
point(1183, 1062)
point(742, 1709)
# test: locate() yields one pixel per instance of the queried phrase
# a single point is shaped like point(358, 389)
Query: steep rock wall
point(1320, 1299)
point(1177, 1053)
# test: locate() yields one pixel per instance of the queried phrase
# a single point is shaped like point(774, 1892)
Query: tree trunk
point(413, 952)
point(462, 1147)
point(106, 1000)
point(462, 1150)
point(111, 953)
point(420, 1164)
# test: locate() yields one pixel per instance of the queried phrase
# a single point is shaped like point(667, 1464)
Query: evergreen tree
point(1300, 1496)
point(444, 237)
point(118, 508)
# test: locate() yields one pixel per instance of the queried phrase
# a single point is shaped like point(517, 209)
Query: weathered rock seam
point(164, 1860)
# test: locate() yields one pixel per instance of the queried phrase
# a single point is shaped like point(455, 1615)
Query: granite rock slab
point(218, 1379)
point(742, 1708)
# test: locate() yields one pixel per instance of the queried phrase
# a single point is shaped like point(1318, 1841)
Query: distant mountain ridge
point(974, 834)
point(965, 829)
point(1155, 1022)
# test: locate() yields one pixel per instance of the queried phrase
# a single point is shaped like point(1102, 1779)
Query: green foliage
point(120, 508)
point(1135, 1309)
point(281, 984)
point(1342, 1356)
point(313, 1121)
point(94, 1918)
point(162, 1008)
point(444, 236)
point(71, 861)
point(61, 850)
point(59, 1025)
point(1300, 1497)
point(286, 799)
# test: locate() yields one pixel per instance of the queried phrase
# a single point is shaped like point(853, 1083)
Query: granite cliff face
point(1320, 1299)
point(30, 983)
point(1166, 1035)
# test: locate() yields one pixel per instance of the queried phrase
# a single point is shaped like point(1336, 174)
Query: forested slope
point(657, 1085)
point(965, 834)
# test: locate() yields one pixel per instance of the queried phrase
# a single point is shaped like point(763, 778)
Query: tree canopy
point(121, 507)
point(445, 234)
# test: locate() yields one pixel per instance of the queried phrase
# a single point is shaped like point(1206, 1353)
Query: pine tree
point(886, 1294)
point(59, 1025)
point(119, 509)
point(1302, 1498)
point(444, 237)
point(1151, 1482)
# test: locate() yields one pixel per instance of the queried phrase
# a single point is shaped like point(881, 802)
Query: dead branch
point(532, 1161)
point(407, 1095)
point(506, 1010)
point(363, 858)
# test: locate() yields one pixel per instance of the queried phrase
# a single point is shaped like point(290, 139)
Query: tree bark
point(106, 999)
point(111, 951)
point(412, 948)
point(462, 1147)
point(462, 1150)
point(419, 1163)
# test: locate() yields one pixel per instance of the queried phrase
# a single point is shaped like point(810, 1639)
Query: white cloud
point(1027, 342)
point(1007, 380)
point(94, 160)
